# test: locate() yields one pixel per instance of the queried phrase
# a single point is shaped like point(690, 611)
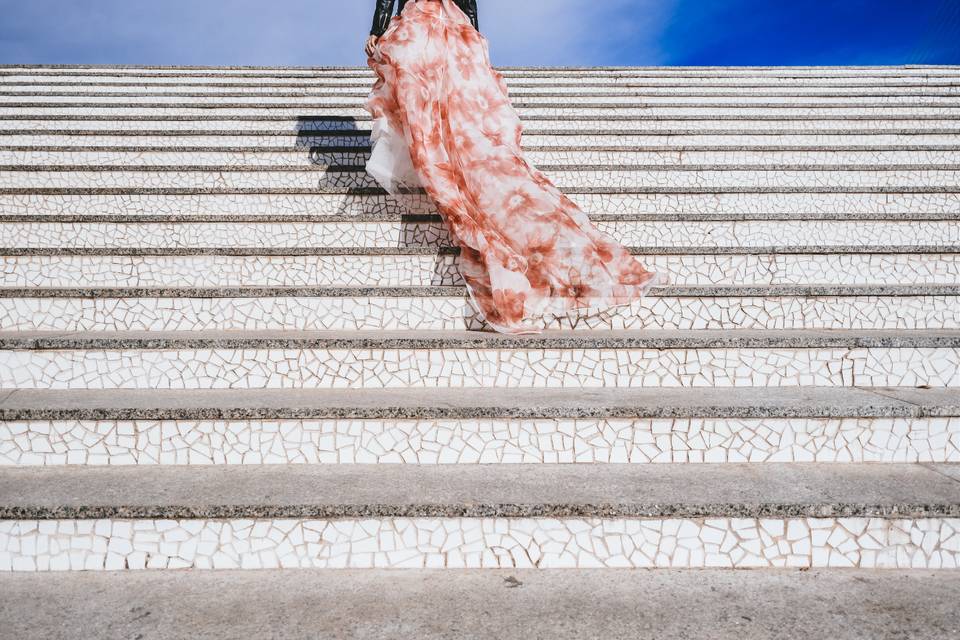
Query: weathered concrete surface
point(252, 404)
point(531, 490)
point(702, 605)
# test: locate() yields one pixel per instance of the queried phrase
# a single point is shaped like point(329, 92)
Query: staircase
point(222, 347)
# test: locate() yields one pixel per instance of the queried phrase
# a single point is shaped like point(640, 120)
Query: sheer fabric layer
point(443, 121)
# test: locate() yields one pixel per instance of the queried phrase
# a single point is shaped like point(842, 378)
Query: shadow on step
point(341, 142)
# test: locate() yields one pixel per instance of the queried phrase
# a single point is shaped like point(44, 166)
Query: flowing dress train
point(443, 122)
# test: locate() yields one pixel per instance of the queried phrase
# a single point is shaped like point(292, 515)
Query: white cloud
point(573, 32)
point(313, 32)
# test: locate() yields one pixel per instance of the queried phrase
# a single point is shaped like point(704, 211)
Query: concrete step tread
point(315, 82)
point(513, 82)
point(520, 104)
point(440, 291)
point(371, 191)
point(534, 604)
point(556, 339)
point(360, 169)
point(438, 251)
point(364, 90)
point(502, 403)
point(539, 148)
point(298, 126)
point(350, 122)
point(864, 216)
point(543, 491)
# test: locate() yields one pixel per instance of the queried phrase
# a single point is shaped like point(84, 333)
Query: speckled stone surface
point(448, 291)
point(785, 402)
point(453, 605)
point(608, 491)
point(479, 340)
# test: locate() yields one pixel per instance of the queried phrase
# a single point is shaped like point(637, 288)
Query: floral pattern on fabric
point(443, 120)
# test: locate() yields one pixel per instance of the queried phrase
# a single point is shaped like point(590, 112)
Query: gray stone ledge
point(943, 216)
point(538, 148)
point(439, 251)
point(519, 104)
point(434, 340)
point(526, 119)
point(444, 291)
point(679, 73)
point(539, 491)
point(514, 81)
point(534, 604)
point(877, 92)
point(360, 169)
point(358, 191)
point(358, 68)
point(454, 404)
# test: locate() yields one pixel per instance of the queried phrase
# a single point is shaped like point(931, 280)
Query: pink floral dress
point(443, 121)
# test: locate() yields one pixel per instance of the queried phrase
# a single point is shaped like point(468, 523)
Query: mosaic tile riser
point(468, 368)
point(280, 204)
point(424, 270)
point(364, 313)
point(483, 542)
point(431, 441)
point(434, 234)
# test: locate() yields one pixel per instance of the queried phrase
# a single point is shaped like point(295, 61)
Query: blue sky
point(521, 32)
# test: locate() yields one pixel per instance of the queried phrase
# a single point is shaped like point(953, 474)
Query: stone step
point(732, 83)
point(285, 141)
point(525, 109)
point(530, 603)
point(927, 307)
point(348, 360)
point(499, 426)
point(521, 99)
point(361, 89)
point(642, 178)
point(171, 155)
point(813, 203)
point(860, 72)
point(349, 234)
point(62, 268)
point(609, 125)
point(532, 516)
point(361, 86)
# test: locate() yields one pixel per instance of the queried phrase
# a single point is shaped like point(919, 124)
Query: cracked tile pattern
point(319, 368)
point(754, 130)
point(719, 82)
point(525, 108)
point(443, 270)
point(370, 313)
point(479, 441)
point(518, 87)
point(452, 543)
point(279, 204)
point(530, 100)
point(434, 234)
point(607, 177)
point(574, 158)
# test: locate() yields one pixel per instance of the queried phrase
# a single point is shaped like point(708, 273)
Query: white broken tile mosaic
point(574, 157)
point(256, 108)
point(525, 100)
point(398, 234)
point(459, 543)
point(432, 313)
point(281, 204)
point(335, 368)
point(443, 270)
point(602, 177)
point(479, 441)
